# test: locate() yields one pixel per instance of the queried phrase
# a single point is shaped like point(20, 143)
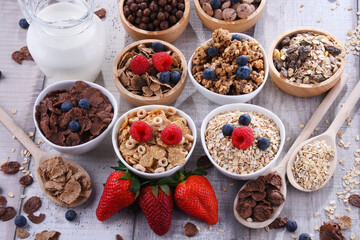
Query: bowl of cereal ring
point(243, 141)
point(306, 62)
point(154, 141)
point(229, 68)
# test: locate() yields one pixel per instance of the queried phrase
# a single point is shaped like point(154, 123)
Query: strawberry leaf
point(165, 189)
point(121, 167)
point(167, 181)
point(135, 186)
point(198, 171)
point(155, 190)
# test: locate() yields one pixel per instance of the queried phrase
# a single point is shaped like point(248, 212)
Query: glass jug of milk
point(65, 38)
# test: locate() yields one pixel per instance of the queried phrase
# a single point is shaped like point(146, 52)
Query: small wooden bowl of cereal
point(235, 17)
point(150, 72)
point(154, 141)
point(306, 62)
point(145, 20)
point(243, 141)
point(229, 68)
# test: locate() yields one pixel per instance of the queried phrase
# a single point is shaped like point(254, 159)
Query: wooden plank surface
point(21, 84)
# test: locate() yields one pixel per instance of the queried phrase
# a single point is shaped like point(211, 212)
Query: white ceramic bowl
point(85, 147)
point(243, 107)
point(115, 133)
point(226, 99)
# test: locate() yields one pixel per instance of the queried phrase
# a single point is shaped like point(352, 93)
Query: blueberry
point(70, 215)
point(157, 46)
point(209, 74)
point(236, 37)
point(23, 23)
point(212, 51)
point(84, 103)
point(164, 77)
point(304, 236)
point(66, 106)
point(215, 4)
point(20, 221)
point(175, 77)
point(291, 225)
point(227, 129)
point(244, 119)
point(263, 143)
point(242, 60)
point(243, 72)
point(74, 126)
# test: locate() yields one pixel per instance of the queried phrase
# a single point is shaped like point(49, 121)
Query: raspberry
point(242, 137)
point(141, 131)
point(162, 61)
point(139, 64)
point(171, 135)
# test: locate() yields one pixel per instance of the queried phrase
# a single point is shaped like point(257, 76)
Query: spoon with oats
point(70, 184)
point(280, 169)
point(314, 161)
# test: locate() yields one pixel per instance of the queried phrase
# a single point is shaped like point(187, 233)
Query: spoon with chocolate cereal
point(63, 180)
point(260, 201)
point(314, 161)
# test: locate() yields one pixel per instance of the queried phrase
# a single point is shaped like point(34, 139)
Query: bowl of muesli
point(150, 72)
point(306, 62)
point(229, 67)
point(154, 141)
point(243, 141)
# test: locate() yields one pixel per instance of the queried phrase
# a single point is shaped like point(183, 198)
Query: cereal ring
point(183, 151)
point(141, 113)
point(140, 168)
point(141, 150)
point(130, 144)
point(183, 120)
point(188, 146)
point(170, 166)
point(170, 111)
point(133, 119)
point(162, 162)
point(159, 170)
point(157, 121)
point(182, 141)
point(132, 161)
point(189, 138)
point(136, 156)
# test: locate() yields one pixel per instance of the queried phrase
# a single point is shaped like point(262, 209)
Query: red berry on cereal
point(141, 131)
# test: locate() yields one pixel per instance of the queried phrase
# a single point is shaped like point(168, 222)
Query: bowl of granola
point(229, 68)
point(243, 141)
point(150, 72)
point(154, 141)
point(306, 62)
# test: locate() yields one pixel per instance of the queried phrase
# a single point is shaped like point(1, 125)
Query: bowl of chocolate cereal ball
point(155, 19)
point(233, 15)
point(229, 68)
point(306, 62)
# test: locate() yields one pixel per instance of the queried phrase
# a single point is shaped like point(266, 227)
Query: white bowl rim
point(266, 64)
point(46, 90)
point(170, 172)
point(238, 106)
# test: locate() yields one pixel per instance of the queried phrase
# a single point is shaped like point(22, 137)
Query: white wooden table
point(21, 84)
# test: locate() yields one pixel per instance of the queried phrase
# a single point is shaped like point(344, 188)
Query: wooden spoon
point(329, 137)
point(281, 168)
point(39, 156)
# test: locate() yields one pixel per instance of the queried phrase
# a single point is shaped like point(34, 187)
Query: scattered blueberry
point(209, 74)
point(242, 60)
point(212, 51)
point(70, 215)
point(215, 4)
point(20, 221)
point(23, 23)
point(263, 143)
point(243, 72)
point(227, 129)
point(84, 103)
point(164, 77)
point(175, 77)
point(244, 119)
point(66, 106)
point(157, 46)
point(74, 126)
point(304, 236)
point(291, 225)
point(236, 37)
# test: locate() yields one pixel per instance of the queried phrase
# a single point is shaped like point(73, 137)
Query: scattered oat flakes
point(293, 236)
point(319, 20)
point(13, 149)
point(13, 111)
point(316, 214)
point(352, 236)
point(231, 184)
point(317, 228)
point(350, 9)
point(288, 139)
point(301, 125)
point(22, 196)
point(302, 5)
point(10, 194)
point(31, 134)
point(327, 122)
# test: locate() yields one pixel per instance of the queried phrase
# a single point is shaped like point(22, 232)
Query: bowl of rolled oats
point(154, 141)
point(229, 67)
point(150, 72)
point(243, 141)
point(306, 62)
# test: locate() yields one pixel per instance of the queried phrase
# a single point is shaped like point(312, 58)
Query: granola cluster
point(154, 156)
point(225, 65)
point(308, 58)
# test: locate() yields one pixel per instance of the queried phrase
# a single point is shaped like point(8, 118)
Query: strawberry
point(196, 197)
point(157, 205)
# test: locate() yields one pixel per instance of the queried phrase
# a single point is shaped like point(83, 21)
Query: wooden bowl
point(168, 35)
point(300, 89)
point(164, 99)
point(234, 26)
